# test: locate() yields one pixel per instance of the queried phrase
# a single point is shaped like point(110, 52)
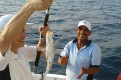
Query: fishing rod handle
point(37, 58)
point(39, 52)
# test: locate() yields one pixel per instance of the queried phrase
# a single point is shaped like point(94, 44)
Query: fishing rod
point(46, 17)
point(45, 23)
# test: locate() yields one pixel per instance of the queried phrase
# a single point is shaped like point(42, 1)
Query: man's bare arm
point(17, 23)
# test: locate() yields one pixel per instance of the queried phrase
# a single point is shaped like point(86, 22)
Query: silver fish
point(50, 52)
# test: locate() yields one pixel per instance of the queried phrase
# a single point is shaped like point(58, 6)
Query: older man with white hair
point(18, 56)
point(14, 55)
point(16, 24)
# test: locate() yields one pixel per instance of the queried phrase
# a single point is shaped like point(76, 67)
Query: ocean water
point(105, 16)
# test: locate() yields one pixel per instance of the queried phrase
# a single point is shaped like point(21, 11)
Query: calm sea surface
point(105, 16)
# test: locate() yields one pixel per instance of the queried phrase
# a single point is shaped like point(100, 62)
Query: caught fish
point(50, 51)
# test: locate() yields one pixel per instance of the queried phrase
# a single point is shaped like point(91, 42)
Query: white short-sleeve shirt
point(1, 57)
point(19, 63)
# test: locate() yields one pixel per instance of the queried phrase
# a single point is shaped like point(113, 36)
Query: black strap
point(5, 74)
point(90, 77)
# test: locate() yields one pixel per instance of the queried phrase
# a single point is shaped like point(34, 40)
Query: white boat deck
point(50, 77)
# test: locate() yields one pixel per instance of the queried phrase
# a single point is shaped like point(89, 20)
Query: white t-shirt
point(1, 57)
point(19, 63)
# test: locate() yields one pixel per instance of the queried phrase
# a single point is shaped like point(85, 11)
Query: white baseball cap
point(4, 20)
point(85, 23)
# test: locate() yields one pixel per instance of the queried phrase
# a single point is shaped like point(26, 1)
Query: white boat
point(49, 77)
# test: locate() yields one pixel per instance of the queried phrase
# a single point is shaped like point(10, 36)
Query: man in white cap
point(82, 56)
point(12, 37)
